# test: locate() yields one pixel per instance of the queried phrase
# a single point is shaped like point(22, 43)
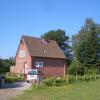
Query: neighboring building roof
point(39, 48)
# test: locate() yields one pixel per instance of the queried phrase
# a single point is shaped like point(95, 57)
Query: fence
point(86, 77)
point(57, 81)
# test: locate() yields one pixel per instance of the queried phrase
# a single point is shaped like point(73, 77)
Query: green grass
point(77, 91)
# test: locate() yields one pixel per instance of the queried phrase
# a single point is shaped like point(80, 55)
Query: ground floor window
point(39, 64)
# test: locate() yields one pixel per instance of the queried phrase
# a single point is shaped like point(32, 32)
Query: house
point(37, 53)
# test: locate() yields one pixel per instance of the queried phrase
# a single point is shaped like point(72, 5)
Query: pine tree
point(87, 47)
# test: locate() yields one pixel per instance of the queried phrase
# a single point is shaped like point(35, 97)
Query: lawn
point(77, 91)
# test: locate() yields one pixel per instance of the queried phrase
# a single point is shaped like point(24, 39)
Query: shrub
point(10, 79)
point(60, 82)
point(54, 82)
point(72, 78)
point(49, 82)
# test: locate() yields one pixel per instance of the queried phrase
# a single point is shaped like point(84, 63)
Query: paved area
point(12, 90)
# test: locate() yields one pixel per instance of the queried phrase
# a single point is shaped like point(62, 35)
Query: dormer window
point(44, 51)
point(22, 53)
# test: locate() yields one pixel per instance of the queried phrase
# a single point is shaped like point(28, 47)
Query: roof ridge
point(30, 36)
point(36, 37)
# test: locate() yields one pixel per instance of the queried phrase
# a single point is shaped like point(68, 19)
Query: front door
point(25, 71)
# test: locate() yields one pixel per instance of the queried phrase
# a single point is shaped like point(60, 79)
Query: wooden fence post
point(84, 76)
point(54, 79)
point(67, 79)
point(90, 76)
point(95, 77)
point(76, 77)
point(99, 76)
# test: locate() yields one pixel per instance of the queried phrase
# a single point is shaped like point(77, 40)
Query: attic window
point(44, 51)
point(22, 53)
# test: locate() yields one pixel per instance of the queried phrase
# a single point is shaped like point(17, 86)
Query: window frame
point(36, 64)
point(22, 53)
point(39, 64)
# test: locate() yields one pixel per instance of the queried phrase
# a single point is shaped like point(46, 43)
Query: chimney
point(45, 40)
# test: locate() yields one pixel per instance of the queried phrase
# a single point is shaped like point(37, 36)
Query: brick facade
point(51, 66)
point(20, 62)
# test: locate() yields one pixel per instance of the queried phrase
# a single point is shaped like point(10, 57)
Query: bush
point(10, 79)
point(72, 78)
point(49, 82)
point(54, 82)
point(60, 82)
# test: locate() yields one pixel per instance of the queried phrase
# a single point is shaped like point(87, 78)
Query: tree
point(0, 62)
point(75, 67)
point(60, 37)
point(1, 68)
point(86, 45)
point(5, 65)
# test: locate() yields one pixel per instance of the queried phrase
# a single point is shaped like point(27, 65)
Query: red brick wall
point(51, 66)
point(20, 62)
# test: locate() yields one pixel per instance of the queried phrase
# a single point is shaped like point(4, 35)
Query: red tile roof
point(38, 48)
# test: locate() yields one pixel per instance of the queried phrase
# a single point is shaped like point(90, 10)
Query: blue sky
point(35, 17)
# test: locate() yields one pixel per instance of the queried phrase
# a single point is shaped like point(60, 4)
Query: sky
point(35, 17)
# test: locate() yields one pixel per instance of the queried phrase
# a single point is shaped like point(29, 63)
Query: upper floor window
point(39, 64)
point(22, 53)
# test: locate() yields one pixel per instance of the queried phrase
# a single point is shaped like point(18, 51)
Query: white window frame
point(39, 64)
point(22, 53)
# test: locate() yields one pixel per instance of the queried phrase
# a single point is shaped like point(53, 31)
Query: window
point(22, 53)
point(32, 73)
point(39, 64)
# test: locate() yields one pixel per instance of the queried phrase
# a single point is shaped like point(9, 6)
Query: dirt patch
point(7, 94)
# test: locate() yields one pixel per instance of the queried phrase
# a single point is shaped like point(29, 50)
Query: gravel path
point(12, 90)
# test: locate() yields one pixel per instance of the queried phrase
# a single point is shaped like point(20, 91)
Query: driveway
point(12, 90)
